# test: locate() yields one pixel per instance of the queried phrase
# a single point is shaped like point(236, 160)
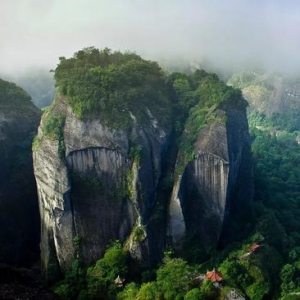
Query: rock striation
point(99, 191)
point(126, 153)
point(218, 178)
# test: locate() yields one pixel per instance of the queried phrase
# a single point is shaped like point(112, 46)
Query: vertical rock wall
point(99, 191)
point(208, 187)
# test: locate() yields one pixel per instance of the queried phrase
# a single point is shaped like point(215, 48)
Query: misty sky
point(239, 33)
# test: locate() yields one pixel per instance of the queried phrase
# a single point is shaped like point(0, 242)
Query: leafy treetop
point(112, 86)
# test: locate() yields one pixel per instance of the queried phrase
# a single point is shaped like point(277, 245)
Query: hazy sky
point(229, 33)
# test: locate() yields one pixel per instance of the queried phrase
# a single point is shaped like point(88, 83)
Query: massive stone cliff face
point(105, 185)
point(101, 190)
point(97, 183)
point(19, 220)
point(218, 180)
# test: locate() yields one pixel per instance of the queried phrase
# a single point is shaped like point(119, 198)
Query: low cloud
point(234, 34)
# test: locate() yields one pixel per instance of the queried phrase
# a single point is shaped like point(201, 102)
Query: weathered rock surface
point(99, 191)
point(19, 220)
point(219, 177)
point(111, 184)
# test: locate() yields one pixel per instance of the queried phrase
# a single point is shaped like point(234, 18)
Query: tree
point(149, 291)
point(174, 278)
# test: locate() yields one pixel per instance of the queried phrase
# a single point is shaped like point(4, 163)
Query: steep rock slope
point(98, 192)
point(19, 233)
point(97, 180)
point(217, 182)
point(106, 153)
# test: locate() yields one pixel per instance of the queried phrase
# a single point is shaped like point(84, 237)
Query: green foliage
point(289, 120)
point(149, 291)
point(259, 120)
point(97, 282)
point(74, 282)
point(14, 101)
point(36, 143)
point(247, 79)
point(276, 160)
point(52, 127)
point(13, 95)
point(76, 244)
point(135, 151)
point(208, 291)
point(194, 294)
point(139, 234)
point(100, 277)
point(277, 196)
point(243, 80)
point(257, 88)
point(129, 293)
point(174, 278)
point(258, 291)
point(211, 94)
point(104, 84)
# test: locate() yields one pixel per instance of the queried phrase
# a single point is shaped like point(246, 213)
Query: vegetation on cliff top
point(210, 94)
point(52, 127)
point(121, 88)
point(112, 86)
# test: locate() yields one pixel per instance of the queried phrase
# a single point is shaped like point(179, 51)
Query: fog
point(231, 34)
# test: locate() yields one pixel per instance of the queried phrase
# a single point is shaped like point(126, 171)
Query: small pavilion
point(214, 276)
point(119, 281)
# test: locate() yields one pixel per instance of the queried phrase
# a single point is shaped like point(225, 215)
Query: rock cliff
point(107, 150)
point(19, 220)
point(100, 190)
point(217, 180)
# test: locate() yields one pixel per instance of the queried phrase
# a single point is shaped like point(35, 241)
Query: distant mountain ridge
point(268, 93)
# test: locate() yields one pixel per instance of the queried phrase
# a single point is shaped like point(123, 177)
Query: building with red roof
point(214, 276)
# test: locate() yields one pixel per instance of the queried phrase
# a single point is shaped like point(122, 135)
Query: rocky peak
point(19, 234)
point(108, 149)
